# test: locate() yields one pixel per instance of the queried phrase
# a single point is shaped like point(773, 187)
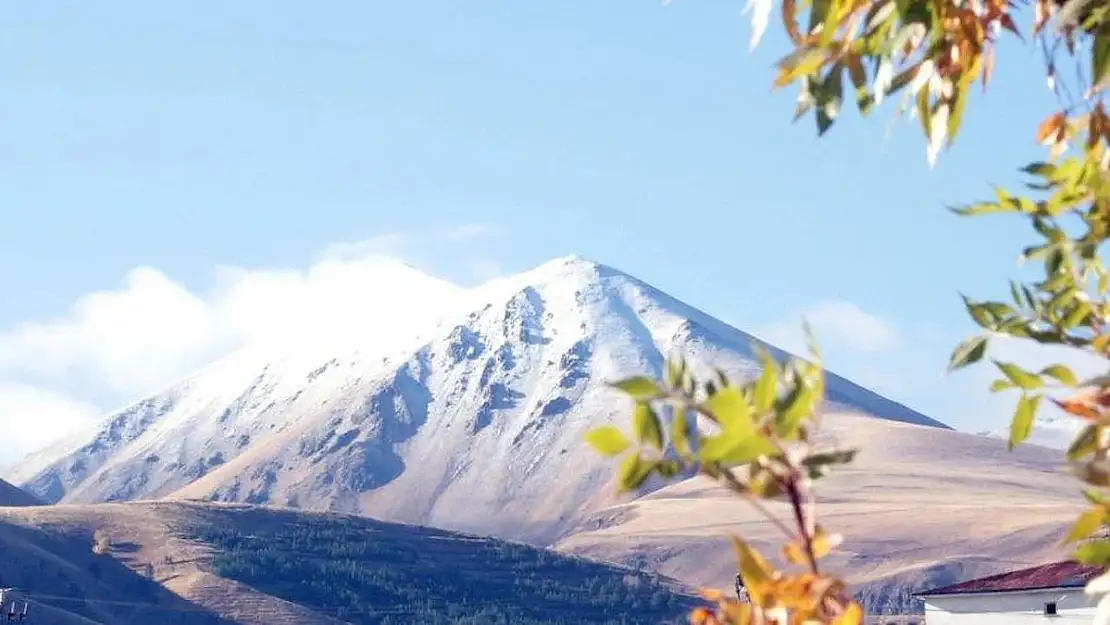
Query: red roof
point(1066, 574)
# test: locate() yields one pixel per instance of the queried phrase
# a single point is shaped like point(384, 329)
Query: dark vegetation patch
point(364, 571)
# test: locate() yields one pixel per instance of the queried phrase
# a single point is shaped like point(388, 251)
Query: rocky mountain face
point(475, 424)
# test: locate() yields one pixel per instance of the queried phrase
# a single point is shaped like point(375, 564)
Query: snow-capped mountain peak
point(474, 422)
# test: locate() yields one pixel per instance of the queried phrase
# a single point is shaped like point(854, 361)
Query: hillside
point(222, 563)
point(919, 507)
point(475, 425)
point(13, 496)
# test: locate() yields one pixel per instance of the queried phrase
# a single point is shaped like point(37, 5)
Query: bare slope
point(477, 426)
point(231, 563)
point(920, 507)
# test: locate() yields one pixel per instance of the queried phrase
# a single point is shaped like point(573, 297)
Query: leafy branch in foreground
point(934, 51)
point(1069, 307)
point(756, 440)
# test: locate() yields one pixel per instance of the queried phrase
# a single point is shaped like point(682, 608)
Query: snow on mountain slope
point(209, 417)
point(476, 426)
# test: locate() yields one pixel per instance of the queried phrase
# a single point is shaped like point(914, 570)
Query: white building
point(1051, 593)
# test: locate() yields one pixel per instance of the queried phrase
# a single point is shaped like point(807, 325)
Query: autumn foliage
point(755, 436)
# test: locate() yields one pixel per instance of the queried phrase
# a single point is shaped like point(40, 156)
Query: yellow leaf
point(1086, 524)
point(737, 613)
point(802, 62)
point(823, 543)
point(795, 554)
point(710, 594)
point(756, 572)
point(852, 615)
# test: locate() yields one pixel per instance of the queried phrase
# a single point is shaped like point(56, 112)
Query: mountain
point(225, 564)
point(13, 496)
point(919, 507)
point(473, 425)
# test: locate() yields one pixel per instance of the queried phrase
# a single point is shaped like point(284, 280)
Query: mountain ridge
point(474, 424)
point(414, 433)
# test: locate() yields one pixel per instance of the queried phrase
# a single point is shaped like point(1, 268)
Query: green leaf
point(676, 372)
point(1022, 424)
point(1076, 316)
point(1001, 385)
point(766, 386)
point(640, 387)
point(959, 97)
point(679, 436)
point(1015, 294)
point(634, 471)
point(969, 351)
point(1040, 169)
point(668, 468)
point(830, 96)
point(1087, 524)
point(980, 313)
point(1085, 443)
point(607, 440)
point(1094, 552)
point(858, 75)
point(981, 208)
point(646, 426)
point(1022, 378)
point(1062, 374)
point(732, 447)
point(1100, 58)
point(818, 464)
point(1097, 498)
point(762, 483)
point(799, 403)
point(731, 409)
point(811, 341)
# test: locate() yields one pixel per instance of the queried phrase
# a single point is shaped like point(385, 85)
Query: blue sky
point(256, 134)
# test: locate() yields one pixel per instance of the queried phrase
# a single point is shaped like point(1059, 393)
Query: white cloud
point(132, 336)
point(469, 231)
point(120, 343)
point(384, 245)
point(35, 417)
point(835, 322)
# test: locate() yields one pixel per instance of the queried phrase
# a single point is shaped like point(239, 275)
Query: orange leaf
point(790, 20)
point(1008, 23)
point(702, 616)
point(1078, 408)
point(1050, 128)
